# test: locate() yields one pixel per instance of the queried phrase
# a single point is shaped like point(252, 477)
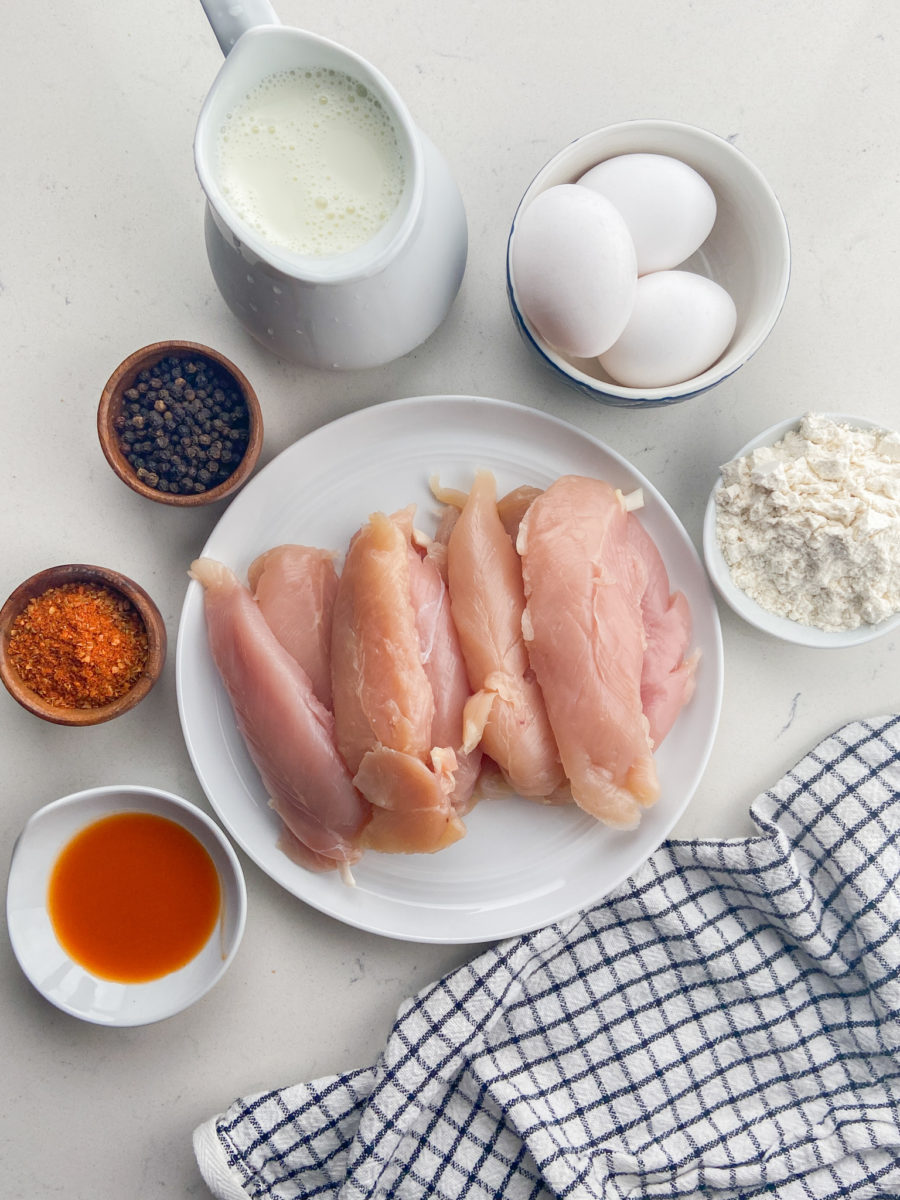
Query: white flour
point(810, 527)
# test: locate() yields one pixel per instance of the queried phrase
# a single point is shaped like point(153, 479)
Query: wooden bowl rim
point(42, 581)
point(110, 399)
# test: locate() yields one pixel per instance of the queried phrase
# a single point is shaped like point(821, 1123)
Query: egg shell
point(681, 323)
point(668, 207)
point(574, 271)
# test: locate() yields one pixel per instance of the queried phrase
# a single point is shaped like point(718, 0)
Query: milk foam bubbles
point(310, 160)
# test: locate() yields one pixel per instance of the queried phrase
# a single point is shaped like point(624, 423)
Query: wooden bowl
point(81, 573)
point(112, 410)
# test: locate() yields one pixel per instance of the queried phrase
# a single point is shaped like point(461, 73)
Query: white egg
point(680, 325)
point(668, 208)
point(573, 268)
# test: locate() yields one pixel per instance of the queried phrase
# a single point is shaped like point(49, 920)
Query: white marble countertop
point(101, 252)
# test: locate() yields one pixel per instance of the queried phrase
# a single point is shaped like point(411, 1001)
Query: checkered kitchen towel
point(724, 1024)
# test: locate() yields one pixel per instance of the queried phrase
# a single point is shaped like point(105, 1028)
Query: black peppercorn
point(195, 418)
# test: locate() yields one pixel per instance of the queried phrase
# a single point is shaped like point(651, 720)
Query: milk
point(310, 160)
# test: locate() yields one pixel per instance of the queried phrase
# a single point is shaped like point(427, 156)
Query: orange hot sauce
point(133, 897)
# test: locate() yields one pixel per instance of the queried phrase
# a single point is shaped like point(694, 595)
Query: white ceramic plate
point(753, 613)
point(520, 865)
point(65, 982)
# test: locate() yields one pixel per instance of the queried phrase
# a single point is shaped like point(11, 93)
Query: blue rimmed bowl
point(747, 252)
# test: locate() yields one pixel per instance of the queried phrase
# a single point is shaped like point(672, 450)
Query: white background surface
point(101, 252)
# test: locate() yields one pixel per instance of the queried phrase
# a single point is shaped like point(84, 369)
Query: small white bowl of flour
point(802, 530)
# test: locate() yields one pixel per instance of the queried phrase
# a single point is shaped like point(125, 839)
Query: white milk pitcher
point(357, 307)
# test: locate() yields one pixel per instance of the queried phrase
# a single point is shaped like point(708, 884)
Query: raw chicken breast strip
point(585, 634)
point(295, 587)
point(512, 507)
point(381, 692)
point(487, 600)
point(667, 677)
point(414, 813)
point(287, 731)
point(445, 668)
point(384, 705)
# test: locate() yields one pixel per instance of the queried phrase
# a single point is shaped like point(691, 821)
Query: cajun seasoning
point(78, 645)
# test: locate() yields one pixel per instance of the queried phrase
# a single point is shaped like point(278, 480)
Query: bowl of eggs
point(646, 262)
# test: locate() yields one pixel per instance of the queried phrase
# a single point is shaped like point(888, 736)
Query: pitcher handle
point(229, 19)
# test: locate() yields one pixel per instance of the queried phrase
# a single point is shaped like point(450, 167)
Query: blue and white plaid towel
point(723, 1024)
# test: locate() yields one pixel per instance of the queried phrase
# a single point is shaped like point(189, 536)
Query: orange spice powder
point(79, 645)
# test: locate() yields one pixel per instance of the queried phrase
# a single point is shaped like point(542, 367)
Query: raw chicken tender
point(289, 734)
point(382, 696)
point(445, 668)
point(384, 705)
point(295, 587)
point(667, 677)
point(514, 505)
point(506, 712)
point(584, 581)
point(411, 812)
